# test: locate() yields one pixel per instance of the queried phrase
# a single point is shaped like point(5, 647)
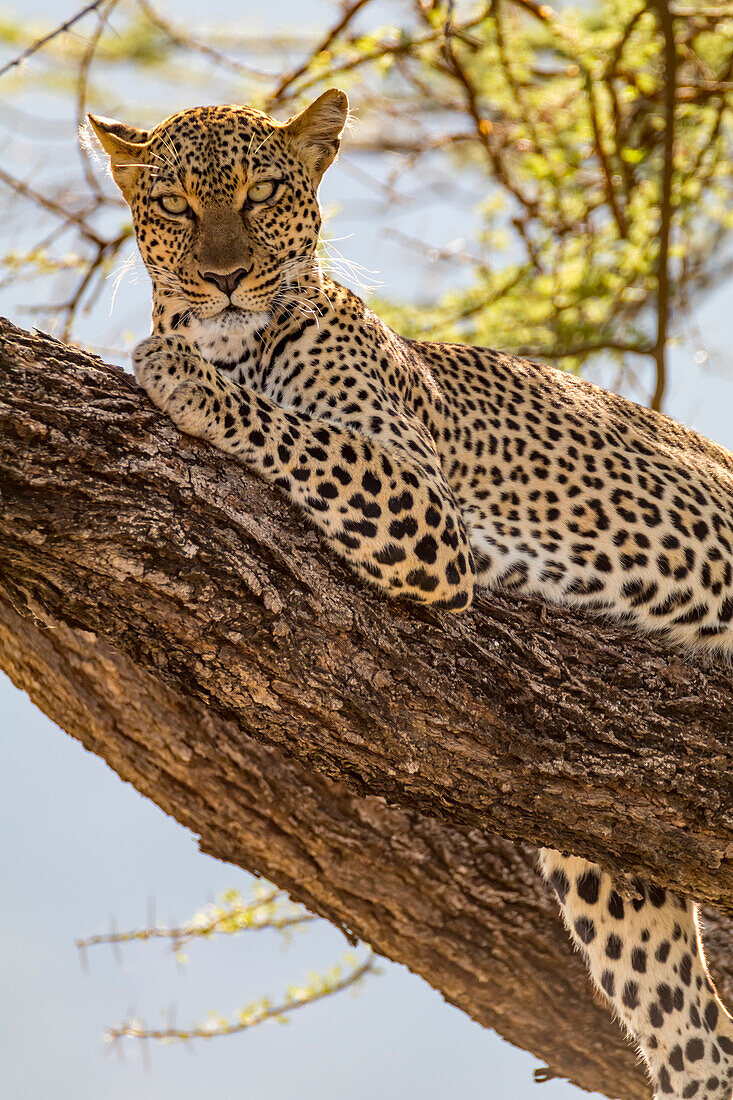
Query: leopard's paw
point(161, 364)
point(190, 408)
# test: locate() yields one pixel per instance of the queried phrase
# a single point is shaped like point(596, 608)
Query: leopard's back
point(578, 495)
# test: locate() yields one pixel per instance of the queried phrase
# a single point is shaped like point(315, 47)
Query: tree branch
point(174, 614)
point(39, 43)
point(666, 23)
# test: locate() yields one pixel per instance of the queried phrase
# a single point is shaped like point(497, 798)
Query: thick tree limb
point(176, 616)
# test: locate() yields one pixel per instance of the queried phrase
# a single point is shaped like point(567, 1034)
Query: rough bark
point(177, 616)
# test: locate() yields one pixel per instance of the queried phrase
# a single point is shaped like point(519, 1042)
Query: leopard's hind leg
point(645, 956)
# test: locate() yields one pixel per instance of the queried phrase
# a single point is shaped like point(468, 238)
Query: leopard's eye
point(261, 192)
point(174, 204)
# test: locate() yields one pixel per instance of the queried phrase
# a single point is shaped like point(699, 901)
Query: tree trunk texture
point(179, 618)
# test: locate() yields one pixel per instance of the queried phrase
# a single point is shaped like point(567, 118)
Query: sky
point(81, 848)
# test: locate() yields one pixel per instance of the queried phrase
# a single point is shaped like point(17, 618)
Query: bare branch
point(70, 216)
point(665, 220)
point(350, 10)
point(62, 28)
point(591, 347)
point(195, 45)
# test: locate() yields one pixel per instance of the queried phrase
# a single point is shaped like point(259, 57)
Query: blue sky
point(81, 847)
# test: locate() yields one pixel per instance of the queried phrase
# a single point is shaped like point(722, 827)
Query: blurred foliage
point(601, 140)
point(569, 119)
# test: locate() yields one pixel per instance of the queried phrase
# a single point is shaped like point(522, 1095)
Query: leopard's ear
point(316, 131)
point(117, 138)
point(124, 145)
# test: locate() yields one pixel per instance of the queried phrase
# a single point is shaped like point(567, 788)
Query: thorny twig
point(257, 1013)
point(286, 82)
point(229, 916)
point(62, 28)
point(81, 93)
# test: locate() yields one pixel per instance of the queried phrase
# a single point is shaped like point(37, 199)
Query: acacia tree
point(597, 145)
point(353, 752)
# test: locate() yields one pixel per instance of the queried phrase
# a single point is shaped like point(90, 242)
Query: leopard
point(435, 470)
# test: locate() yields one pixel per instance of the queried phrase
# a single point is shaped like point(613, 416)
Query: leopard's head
point(224, 202)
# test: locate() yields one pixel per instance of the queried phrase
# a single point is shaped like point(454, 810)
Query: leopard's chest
point(233, 349)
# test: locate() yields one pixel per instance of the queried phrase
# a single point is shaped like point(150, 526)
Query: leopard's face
point(225, 207)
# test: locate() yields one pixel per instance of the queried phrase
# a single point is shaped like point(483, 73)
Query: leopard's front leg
point(393, 518)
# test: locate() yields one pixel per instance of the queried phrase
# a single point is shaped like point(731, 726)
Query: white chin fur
point(216, 337)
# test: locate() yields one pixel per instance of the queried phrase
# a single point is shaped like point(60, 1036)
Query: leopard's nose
point(226, 282)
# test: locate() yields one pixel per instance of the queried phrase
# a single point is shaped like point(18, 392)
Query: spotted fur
point(431, 468)
point(646, 958)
